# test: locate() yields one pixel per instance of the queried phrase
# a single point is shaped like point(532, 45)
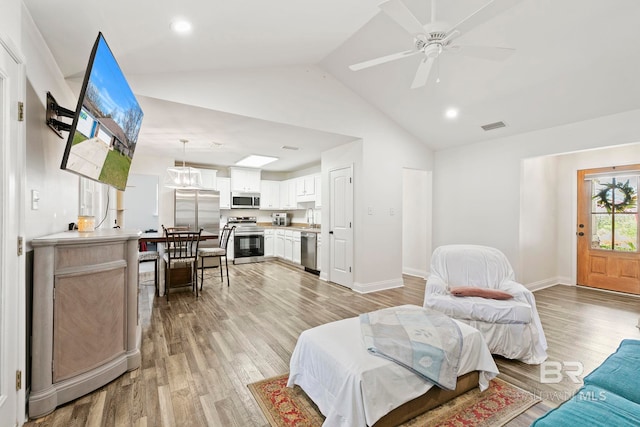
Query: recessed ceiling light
point(255, 161)
point(451, 113)
point(181, 26)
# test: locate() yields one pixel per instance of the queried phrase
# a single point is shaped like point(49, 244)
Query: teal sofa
point(610, 395)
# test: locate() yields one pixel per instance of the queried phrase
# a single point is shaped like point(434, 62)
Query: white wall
point(10, 23)
point(58, 189)
point(307, 96)
point(484, 180)
point(539, 216)
point(156, 166)
point(416, 222)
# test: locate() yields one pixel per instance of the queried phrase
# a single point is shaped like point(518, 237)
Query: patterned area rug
point(286, 407)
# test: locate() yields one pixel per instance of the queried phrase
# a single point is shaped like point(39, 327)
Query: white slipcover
point(511, 327)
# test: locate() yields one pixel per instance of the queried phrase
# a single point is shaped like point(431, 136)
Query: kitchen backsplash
point(297, 216)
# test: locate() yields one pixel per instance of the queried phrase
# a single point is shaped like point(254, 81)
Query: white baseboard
point(415, 272)
point(546, 283)
point(324, 276)
point(365, 288)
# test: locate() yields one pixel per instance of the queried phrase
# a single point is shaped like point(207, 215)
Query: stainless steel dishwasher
point(308, 251)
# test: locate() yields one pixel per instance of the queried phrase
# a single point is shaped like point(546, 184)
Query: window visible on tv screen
point(107, 121)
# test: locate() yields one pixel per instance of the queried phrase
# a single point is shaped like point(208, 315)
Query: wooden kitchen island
point(85, 314)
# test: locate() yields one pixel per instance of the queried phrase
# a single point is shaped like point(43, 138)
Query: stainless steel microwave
point(245, 200)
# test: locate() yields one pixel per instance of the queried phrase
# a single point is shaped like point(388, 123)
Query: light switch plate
point(35, 199)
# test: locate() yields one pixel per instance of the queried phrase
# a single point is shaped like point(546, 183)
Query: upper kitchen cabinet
point(269, 194)
point(209, 179)
point(224, 187)
point(245, 180)
point(306, 188)
point(288, 194)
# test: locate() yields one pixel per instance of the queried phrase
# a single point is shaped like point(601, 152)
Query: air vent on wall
point(492, 126)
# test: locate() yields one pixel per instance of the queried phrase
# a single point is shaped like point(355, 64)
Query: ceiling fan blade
point(423, 73)
point(402, 15)
point(493, 53)
point(486, 12)
point(382, 60)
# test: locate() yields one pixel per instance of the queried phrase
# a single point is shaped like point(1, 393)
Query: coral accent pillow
point(470, 291)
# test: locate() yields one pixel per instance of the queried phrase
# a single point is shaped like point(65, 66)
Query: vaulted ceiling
point(573, 60)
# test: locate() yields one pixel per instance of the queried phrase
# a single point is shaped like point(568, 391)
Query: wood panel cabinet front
point(85, 306)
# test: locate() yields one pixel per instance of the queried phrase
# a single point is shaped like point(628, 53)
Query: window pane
point(627, 193)
point(601, 231)
point(626, 235)
point(601, 194)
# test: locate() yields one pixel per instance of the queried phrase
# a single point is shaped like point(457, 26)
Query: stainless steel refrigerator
point(199, 209)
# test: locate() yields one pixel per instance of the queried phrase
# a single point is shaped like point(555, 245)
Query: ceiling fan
point(437, 37)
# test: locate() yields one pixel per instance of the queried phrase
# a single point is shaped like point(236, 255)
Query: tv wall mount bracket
point(54, 111)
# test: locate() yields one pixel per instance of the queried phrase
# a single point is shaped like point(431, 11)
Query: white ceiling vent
point(492, 126)
point(289, 147)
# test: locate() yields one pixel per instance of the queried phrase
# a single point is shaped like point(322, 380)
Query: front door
point(12, 265)
point(608, 253)
point(341, 227)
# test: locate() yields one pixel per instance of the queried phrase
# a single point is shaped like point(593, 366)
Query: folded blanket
point(422, 340)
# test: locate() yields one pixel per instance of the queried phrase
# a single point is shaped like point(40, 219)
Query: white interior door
point(341, 226)
point(12, 332)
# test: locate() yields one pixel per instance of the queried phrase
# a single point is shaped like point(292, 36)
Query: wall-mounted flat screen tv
point(106, 123)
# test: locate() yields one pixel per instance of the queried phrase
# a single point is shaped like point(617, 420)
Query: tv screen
point(106, 123)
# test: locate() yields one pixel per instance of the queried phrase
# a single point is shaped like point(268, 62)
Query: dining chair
point(151, 256)
point(219, 252)
point(180, 257)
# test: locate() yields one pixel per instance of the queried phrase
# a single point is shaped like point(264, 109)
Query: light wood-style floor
point(199, 355)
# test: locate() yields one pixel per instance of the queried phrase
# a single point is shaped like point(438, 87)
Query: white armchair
point(510, 327)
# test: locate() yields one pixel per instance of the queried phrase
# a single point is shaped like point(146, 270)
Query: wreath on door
point(605, 197)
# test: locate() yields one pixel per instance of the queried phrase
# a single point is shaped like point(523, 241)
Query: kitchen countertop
point(292, 227)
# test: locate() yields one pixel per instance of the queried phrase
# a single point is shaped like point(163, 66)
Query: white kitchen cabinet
point(288, 245)
point(296, 256)
point(209, 179)
point(224, 187)
point(245, 180)
point(305, 185)
point(288, 198)
point(269, 194)
point(318, 196)
point(279, 243)
point(319, 252)
point(306, 188)
point(269, 243)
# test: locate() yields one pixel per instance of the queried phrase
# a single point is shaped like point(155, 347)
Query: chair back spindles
point(181, 247)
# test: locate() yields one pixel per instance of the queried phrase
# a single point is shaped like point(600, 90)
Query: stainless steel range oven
point(248, 240)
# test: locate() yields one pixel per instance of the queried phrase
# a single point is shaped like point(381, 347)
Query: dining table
point(158, 237)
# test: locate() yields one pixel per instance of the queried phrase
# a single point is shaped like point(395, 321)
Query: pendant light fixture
point(183, 177)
